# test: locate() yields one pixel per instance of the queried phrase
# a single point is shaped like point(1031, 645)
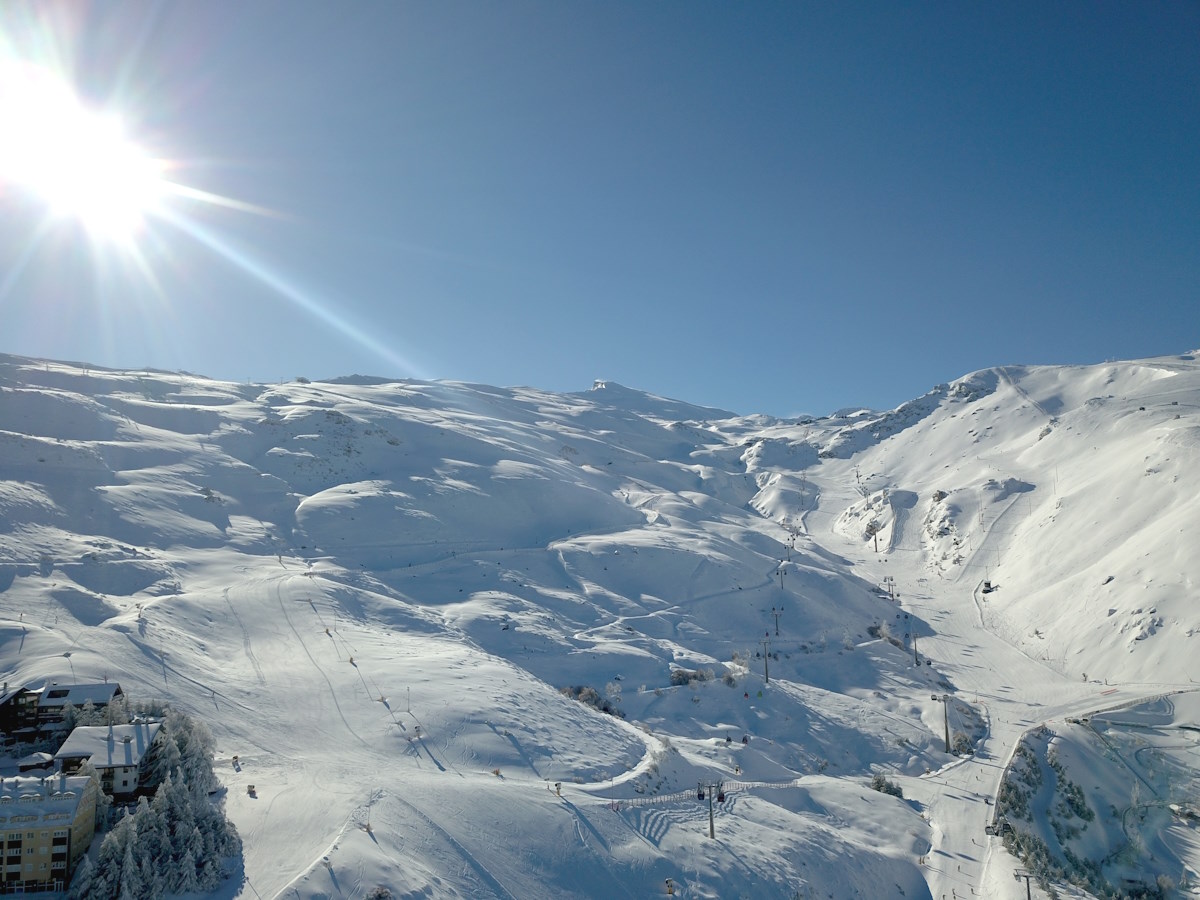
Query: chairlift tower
point(1018, 874)
point(719, 790)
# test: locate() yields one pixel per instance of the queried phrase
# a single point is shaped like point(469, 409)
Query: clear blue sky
point(767, 207)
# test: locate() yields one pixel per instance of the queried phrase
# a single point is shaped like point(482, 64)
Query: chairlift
point(721, 796)
point(699, 793)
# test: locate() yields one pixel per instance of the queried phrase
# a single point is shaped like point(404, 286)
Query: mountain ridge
point(347, 546)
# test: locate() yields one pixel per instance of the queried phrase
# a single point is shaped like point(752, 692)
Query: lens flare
point(79, 162)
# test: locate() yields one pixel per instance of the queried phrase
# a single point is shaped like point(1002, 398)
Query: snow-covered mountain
point(376, 592)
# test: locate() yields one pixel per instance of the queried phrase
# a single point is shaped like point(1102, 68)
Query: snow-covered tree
point(117, 712)
point(103, 800)
point(88, 715)
point(131, 886)
point(70, 717)
point(81, 884)
point(174, 843)
point(162, 760)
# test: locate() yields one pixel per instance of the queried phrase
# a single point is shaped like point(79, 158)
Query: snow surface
point(373, 592)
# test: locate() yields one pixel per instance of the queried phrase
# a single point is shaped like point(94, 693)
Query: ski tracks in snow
point(467, 856)
point(332, 691)
point(246, 645)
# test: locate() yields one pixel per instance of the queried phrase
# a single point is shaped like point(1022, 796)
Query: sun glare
point(78, 161)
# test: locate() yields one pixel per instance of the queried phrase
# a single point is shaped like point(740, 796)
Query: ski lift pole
point(719, 790)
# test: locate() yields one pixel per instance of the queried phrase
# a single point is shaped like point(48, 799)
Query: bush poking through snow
point(680, 677)
point(884, 786)
point(589, 696)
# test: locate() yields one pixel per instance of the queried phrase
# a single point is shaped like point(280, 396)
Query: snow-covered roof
point(11, 691)
point(110, 746)
point(34, 760)
point(27, 799)
point(55, 694)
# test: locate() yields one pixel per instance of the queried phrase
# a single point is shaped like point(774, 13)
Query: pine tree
point(103, 801)
point(110, 862)
point(70, 717)
point(118, 711)
point(131, 886)
point(88, 714)
point(164, 759)
point(152, 846)
point(186, 881)
point(81, 885)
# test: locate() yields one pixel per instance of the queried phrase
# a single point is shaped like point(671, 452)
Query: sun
point(78, 161)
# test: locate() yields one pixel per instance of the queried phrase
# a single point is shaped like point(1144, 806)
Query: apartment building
point(46, 825)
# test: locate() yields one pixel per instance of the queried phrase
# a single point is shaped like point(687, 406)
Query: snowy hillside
point(385, 598)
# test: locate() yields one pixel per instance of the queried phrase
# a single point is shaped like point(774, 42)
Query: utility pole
point(766, 643)
point(1028, 876)
point(945, 698)
point(777, 613)
point(717, 789)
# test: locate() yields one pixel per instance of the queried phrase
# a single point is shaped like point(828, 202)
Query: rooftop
point(54, 694)
point(110, 746)
point(24, 800)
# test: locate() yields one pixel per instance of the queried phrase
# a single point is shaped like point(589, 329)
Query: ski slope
point(374, 591)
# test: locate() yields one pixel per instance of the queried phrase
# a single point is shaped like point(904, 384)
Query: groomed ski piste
point(374, 592)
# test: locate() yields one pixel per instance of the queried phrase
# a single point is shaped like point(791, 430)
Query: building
point(18, 711)
point(35, 764)
point(116, 751)
point(54, 697)
point(46, 825)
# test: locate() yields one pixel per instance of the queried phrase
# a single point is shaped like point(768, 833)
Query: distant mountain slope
point(375, 590)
